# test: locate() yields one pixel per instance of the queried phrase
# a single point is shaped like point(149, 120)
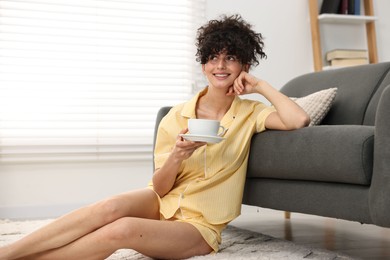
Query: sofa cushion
point(317, 104)
point(342, 154)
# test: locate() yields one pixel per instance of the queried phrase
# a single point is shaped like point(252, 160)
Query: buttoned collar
point(189, 109)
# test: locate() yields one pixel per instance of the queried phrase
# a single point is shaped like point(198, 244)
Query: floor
point(351, 238)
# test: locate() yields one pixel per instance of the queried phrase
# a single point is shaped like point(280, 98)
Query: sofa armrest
point(380, 187)
point(326, 153)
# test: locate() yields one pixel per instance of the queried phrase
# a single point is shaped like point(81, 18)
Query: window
point(83, 80)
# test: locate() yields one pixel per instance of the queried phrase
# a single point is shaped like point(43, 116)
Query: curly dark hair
point(233, 35)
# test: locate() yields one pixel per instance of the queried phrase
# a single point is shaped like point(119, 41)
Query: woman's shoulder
point(176, 109)
point(251, 103)
point(174, 112)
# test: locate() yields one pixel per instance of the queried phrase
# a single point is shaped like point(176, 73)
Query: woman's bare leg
point(141, 203)
point(154, 238)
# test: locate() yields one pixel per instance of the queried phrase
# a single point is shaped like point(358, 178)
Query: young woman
point(197, 187)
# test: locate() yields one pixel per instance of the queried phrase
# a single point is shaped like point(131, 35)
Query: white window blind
point(84, 79)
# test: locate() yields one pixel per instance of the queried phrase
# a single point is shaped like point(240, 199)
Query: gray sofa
point(339, 169)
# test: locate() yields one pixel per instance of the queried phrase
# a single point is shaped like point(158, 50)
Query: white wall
point(382, 10)
point(286, 28)
point(45, 190)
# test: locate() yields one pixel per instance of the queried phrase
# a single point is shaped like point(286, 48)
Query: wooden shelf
point(343, 18)
point(368, 19)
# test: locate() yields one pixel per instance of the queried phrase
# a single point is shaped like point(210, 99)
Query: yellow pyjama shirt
point(209, 186)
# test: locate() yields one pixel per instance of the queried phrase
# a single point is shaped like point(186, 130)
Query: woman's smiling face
point(222, 69)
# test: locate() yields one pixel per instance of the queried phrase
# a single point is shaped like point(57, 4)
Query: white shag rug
point(236, 244)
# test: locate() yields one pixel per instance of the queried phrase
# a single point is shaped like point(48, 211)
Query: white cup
point(205, 127)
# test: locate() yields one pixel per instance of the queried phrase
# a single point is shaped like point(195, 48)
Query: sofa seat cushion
point(337, 153)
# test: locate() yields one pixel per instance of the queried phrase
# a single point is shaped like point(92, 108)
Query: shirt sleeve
point(262, 116)
point(162, 149)
point(164, 142)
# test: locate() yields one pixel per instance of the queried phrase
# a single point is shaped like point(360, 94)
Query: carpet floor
point(236, 244)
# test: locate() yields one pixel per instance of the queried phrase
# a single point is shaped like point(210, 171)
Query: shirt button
point(181, 195)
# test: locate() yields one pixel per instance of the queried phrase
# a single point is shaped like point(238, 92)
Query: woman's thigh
point(158, 238)
point(142, 203)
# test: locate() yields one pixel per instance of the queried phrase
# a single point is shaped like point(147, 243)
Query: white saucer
point(202, 138)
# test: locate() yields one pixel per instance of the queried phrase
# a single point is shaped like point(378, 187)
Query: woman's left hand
point(245, 83)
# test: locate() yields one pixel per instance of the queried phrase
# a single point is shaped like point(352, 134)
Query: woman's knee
point(123, 230)
point(108, 210)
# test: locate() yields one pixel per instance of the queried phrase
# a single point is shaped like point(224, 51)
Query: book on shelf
point(330, 6)
point(344, 7)
point(357, 7)
point(348, 62)
point(350, 7)
point(346, 54)
point(340, 7)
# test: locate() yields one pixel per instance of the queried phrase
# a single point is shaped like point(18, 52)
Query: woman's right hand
point(183, 149)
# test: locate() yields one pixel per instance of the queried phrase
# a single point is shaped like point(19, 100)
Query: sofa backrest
point(369, 118)
point(359, 90)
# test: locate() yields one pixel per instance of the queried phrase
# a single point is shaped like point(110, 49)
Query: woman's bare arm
point(288, 115)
